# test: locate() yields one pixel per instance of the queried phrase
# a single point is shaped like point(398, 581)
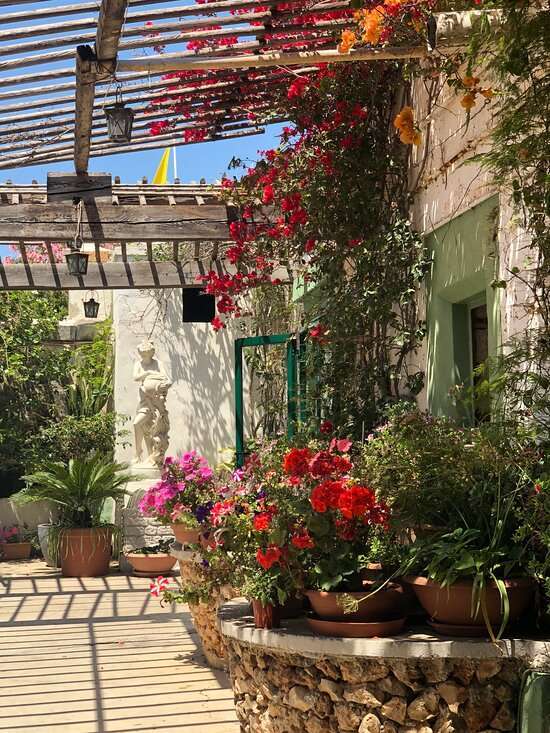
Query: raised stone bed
point(204, 614)
point(288, 681)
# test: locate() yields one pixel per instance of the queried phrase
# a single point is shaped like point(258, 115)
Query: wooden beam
point(109, 28)
point(65, 187)
point(108, 275)
point(156, 143)
point(106, 223)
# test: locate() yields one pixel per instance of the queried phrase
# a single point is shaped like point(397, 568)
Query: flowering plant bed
point(182, 497)
point(14, 544)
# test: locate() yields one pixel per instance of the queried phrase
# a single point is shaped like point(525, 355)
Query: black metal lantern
point(77, 261)
point(91, 307)
point(119, 120)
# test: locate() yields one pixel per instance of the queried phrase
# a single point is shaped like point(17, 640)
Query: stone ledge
point(294, 636)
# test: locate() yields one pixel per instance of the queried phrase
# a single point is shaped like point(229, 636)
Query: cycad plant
point(79, 489)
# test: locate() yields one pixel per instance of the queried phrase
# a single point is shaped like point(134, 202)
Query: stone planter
point(205, 613)
point(287, 681)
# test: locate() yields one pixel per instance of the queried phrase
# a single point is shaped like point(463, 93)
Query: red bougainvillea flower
point(268, 558)
point(302, 539)
point(296, 461)
point(217, 323)
point(326, 427)
point(356, 502)
point(158, 586)
point(319, 333)
point(538, 488)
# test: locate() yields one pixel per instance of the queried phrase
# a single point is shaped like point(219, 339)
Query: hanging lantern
point(91, 307)
point(119, 120)
point(77, 261)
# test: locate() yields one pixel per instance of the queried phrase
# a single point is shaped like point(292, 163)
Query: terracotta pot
point(185, 535)
point(359, 629)
point(266, 616)
point(453, 604)
point(384, 604)
point(85, 553)
point(15, 550)
point(153, 565)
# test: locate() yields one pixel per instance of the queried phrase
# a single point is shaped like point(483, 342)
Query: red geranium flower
point(296, 461)
point(326, 427)
point(345, 530)
point(302, 539)
point(262, 522)
point(356, 501)
point(321, 464)
point(268, 558)
point(326, 495)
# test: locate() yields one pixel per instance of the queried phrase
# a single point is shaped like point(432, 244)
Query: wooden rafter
point(109, 28)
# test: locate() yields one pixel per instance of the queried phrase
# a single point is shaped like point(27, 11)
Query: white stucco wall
point(200, 361)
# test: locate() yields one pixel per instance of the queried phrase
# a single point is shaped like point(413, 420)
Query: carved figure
point(151, 423)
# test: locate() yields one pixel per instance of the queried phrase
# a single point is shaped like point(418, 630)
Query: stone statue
point(151, 423)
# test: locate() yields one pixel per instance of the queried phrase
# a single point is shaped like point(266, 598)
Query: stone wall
point(281, 692)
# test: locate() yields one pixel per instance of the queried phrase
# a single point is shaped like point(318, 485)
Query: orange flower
point(470, 81)
point(370, 24)
point(468, 101)
point(347, 41)
point(487, 93)
point(404, 122)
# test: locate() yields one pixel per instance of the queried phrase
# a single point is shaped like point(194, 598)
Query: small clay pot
point(85, 553)
point(153, 565)
point(386, 603)
point(15, 550)
point(266, 616)
point(186, 535)
point(453, 604)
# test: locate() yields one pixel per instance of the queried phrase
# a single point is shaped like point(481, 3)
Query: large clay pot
point(153, 565)
point(185, 535)
point(386, 603)
point(266, 616)
point(15, 550)
point(85, 553)
point(453, 604)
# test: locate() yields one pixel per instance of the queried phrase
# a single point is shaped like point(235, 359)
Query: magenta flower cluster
point(182, 487)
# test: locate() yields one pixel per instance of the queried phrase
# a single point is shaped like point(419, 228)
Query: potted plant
point(83, 541)
point(14, 543)
point(152, 560)
point(473, 580)
point(185, 484)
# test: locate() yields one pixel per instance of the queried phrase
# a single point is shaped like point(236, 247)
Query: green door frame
point(294, 358)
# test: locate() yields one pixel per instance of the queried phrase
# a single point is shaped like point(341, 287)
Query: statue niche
point(151, 423)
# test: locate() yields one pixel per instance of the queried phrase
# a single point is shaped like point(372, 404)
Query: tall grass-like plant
point(79, 489)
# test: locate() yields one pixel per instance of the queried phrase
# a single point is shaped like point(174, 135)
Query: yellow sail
point(161, 176)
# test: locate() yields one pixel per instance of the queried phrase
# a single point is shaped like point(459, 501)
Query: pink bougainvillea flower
point(158, 586)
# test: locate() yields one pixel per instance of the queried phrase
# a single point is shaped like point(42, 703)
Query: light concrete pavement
point(99, 655)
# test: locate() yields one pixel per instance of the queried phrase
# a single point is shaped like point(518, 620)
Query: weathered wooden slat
point(107, 223)
point(108, 275)
point(65, 186)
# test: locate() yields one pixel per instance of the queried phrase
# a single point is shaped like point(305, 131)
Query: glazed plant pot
point(266, 616)
point(151, 565)
point(386, 603)
point(85, 553)
point(43, 538)
point(15, 550)
point(453, 604)
point(185, 535)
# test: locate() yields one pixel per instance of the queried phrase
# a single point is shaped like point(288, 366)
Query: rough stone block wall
point(277, 692)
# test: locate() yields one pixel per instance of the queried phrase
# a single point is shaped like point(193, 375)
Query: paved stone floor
point(99, 655)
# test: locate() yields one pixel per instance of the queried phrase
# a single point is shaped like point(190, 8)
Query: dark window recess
point(198, 307)
point(479, 326)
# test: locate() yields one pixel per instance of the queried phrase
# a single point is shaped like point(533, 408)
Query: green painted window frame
point(295, 380)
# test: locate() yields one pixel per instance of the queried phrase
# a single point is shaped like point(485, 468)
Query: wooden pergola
point(61, 64)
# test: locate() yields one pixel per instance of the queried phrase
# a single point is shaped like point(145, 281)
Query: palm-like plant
point(79, 488)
